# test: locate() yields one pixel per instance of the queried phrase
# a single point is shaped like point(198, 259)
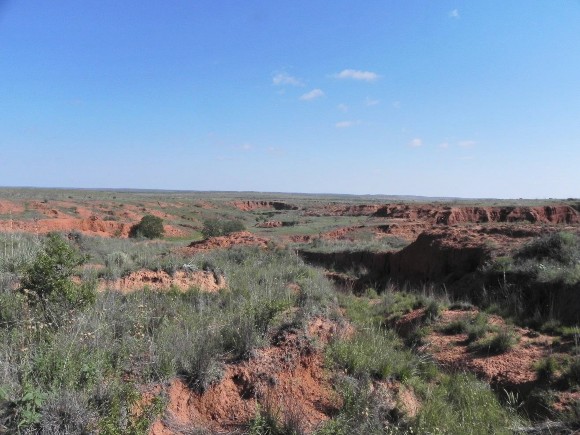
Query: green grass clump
point(374, 353)
point(572, 374)
point(499, 343)
point(546, 368)
point(461, 404)
point(455, 327)
point(478, 327)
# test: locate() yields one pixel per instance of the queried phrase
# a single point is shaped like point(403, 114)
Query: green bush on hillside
point(47, 282)
point(150, 227)
point(561, 247)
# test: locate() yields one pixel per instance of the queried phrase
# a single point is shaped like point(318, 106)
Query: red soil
point(161, 280)
point(9, 207)
point(437, 214)
point(288, 379)
point(93, 226)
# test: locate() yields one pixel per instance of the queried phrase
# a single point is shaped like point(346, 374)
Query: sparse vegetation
point(221, 227)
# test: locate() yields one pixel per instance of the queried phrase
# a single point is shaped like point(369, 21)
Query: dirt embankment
point(263, 205)
point(438, 255)
point(93, 226)
point(343, 210)
point(561, 214)
point(287, 378)
point(445, 215)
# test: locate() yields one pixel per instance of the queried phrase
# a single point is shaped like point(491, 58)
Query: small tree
point(150, 227)
point(47, 280)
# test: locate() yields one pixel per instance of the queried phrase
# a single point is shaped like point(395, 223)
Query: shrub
point(150, 227)
point(216, 227)
point(561, 247)
point(66, 413)
point(47, 280)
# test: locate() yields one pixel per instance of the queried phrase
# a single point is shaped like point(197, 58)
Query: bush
point(150, 227)
point(47, 280)
point(561, 247)
point(216, 227)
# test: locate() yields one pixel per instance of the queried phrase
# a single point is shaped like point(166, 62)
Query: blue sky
point(423, 97)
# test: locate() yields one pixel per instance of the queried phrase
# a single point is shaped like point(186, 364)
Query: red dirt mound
point(287, 378)
point(224, 242)
point(92, 226)
point(438, 253)
point(161, 280)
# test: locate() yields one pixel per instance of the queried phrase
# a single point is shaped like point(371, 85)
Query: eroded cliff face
point(437, 255)
point(548, 214)
point(561, 214)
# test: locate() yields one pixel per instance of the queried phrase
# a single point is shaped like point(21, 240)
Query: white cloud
point(342, 107)
point(454, 14)
point(354, 74)
point(415, 143)
point(396, 105)
point(444, 145)
point(312, 95)
point(346, 124)
point(370, 102)
point(246, 147)
point(282, 79)
point(467, 143)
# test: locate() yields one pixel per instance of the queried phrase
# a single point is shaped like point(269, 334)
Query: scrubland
point(323, 316)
